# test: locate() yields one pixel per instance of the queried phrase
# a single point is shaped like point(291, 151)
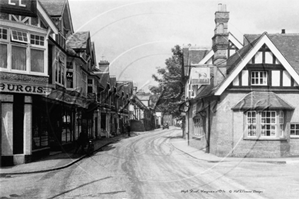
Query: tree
point(170, 87)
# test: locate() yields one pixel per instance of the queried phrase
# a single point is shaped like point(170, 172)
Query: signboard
point(19, 7)
point(25, 89)
point(69, 75)
point(200, 76)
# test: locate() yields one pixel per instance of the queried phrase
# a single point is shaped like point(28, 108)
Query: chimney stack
point(220, 38)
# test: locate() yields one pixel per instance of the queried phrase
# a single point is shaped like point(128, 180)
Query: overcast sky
point(136, 36)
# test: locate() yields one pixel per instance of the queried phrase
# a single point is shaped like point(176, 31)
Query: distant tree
point(170, 87)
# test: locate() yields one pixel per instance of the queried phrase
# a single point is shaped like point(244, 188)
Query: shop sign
point(200, 76)
point(26, 89)
point(19, 7)
point(69, 75)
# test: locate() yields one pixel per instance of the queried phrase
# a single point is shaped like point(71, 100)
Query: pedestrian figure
point(128, 129)
point(81, 142)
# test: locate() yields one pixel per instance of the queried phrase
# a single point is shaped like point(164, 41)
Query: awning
point(261, 101)
point(68, 98)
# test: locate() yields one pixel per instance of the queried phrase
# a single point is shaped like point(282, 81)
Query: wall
point(227, 131)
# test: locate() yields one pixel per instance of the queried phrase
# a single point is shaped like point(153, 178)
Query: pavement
point(57, 161)
point(65, 159)
point(181, 145)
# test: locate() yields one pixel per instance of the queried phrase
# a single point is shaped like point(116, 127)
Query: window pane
point(18, 58)
point(268, 123)
point(251, 123)
point(3, 33)
point(37, 61)
point(294, 128)
point(3, 56)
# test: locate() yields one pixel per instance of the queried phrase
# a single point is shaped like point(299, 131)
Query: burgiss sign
point(25, 89)
point(19, 7)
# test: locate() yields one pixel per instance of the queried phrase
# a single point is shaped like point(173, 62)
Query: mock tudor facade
point(50, 86)
point(250, 108)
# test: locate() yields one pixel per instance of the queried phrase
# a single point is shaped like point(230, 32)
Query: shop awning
point(68, 98)
point(261, 101)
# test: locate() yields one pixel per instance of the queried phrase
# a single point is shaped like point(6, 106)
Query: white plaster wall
point(27, 129)
point(7, 129)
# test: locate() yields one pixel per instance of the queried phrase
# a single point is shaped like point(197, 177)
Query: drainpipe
point(1, 133)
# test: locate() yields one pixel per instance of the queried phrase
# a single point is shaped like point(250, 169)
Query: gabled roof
point(196, 55)
point(287, 44)
point(79, 40)
point(239, 55)
point(143, 96)
point(45, 16)
point(262, 101)
point(240, 59)
point(54, 7)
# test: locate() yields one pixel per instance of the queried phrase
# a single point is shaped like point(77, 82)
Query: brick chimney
point(220, 44)
point(220, 39)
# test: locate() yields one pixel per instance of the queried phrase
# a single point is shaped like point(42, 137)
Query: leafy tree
point(170, 87)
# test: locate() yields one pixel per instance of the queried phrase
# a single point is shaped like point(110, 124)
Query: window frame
point(258, 77)
point(10, 42)
point(280, 125)
point(294, 136)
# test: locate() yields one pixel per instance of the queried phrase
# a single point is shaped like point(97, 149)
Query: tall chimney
point(220, 38)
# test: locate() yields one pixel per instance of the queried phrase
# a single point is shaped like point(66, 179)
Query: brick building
point(250, 107)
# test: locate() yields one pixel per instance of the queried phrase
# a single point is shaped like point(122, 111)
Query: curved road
point(143, 166)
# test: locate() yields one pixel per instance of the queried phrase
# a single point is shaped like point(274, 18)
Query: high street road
point(149, 166)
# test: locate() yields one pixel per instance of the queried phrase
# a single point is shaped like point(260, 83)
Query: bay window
point(264, 124)
point(18, 58)
point(3, 56)
point(37, 64)
point(22, 51)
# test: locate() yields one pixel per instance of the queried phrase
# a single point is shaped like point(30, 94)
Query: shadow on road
point(79, 187)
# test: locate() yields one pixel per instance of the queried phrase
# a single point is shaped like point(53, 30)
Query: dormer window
point(259, 78)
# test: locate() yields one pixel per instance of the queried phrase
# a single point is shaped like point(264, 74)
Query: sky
point(136, 36)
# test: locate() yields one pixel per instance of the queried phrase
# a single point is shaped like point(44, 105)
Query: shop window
point(66, 135)
point(40, 121)
point(259, 78)
point(18, 58)
point(264, 124)
point(294, 129)
point(37, 64)
point(3, 56)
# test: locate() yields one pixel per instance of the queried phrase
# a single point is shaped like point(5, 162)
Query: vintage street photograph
point(149, 99)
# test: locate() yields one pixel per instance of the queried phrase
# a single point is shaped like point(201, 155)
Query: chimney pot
point(219, 7)
point(282, 31)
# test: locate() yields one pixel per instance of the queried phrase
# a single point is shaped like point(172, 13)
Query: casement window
point(264, 124)
point(259, 78)
point(3, 33)
point(22, 51)
point(19, 36)
point(37, 40)
point(294, 129)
